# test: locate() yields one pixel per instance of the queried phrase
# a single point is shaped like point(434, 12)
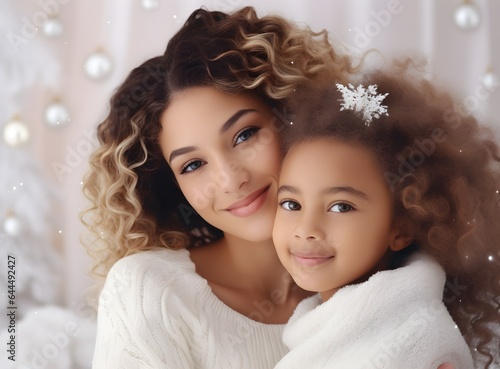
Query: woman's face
point(224, 152)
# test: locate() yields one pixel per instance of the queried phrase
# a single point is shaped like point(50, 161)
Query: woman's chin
point(254, 233)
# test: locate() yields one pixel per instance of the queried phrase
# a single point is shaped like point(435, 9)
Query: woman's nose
point(231, 176)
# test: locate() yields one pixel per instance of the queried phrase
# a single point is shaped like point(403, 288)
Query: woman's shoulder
point(150, 280)
point(159, 266)
point(158, 258)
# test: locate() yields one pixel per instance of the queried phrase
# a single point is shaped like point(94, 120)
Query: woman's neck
point(248, 277)
point(256, 263)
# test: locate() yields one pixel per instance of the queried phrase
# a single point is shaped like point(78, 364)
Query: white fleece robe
point(394, 320)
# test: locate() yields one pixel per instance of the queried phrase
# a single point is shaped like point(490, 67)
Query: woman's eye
point(191, 166)
point(290, 205)
point(341, 208)
point(245, 135)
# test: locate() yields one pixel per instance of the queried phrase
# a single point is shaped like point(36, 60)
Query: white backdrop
point(39, 68)
point(130, 31)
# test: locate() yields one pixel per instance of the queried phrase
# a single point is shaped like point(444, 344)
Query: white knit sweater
point(394, 320)
point(156, 312)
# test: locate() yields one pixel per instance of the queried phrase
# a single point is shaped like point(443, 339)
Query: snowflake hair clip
point(363, 100)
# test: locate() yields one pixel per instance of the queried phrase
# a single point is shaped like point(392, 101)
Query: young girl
point(389, 208)
point(192, 139)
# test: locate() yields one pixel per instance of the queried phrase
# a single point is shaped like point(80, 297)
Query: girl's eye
point(245, 135)
point(341, 208)
point(290, 205)
point(192, 166)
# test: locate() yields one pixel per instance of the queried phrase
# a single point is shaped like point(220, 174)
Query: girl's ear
point(399, 242)
point(401, 238)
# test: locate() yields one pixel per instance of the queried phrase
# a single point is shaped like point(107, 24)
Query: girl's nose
point(309, 228)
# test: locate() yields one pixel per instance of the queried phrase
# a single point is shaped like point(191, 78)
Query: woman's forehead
point(199, 106)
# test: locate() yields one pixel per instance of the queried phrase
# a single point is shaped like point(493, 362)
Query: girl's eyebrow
point(225, 127)
point(346, 189)
point(327, 191)
point(285, 188)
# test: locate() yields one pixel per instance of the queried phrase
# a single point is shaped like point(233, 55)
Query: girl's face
point(224, 152)
point(334, 223)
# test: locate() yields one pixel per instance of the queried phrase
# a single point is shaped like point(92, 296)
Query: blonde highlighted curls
point(135, 204)
point(116, 219)
point(269, 56)
point(279, 73)
point(444, 173)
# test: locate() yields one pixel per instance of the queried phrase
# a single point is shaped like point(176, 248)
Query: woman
point(188, 156)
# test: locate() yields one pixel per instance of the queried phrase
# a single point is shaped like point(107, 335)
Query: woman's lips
point(310, 259)
point(250, 204)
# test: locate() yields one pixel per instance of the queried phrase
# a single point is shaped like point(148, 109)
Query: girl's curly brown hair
point(135, 204)
point(444, 173)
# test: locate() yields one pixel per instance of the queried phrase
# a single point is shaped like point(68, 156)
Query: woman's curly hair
point(135, 203)
point(443, 170)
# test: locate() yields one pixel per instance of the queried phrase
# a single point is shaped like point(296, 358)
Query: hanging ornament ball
point(98, 65)
point(490, 80)
point(150, 4)
point(12, 226)
point(467, 16)
point(15, 133)
point(56, 114)
point(52, 27)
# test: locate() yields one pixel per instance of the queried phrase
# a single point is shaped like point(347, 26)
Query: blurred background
point(60, 61)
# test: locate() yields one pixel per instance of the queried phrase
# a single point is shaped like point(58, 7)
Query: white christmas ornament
point(467, 16)
point(490, 80)
point(12, 226)
point(56, 114)
point(98, 65)
point(150, 4)
point(52, 27)
point(15, 133)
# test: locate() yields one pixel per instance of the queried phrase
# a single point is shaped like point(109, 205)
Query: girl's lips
point(250, 204)
point(311, 260)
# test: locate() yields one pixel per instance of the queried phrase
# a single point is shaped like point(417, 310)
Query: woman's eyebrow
point(234, 118)
point(225, 127)
point(181, 151)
